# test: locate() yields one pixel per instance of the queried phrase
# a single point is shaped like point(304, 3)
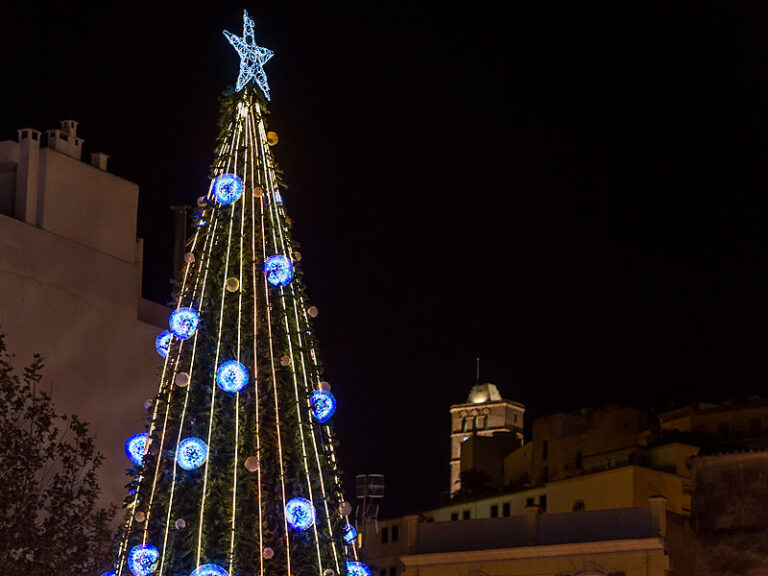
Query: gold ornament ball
point(182, 379)
point(202, 201)
point(288, 222)
point(232, 284)
point(285, 361)
point(180, 523)
point(140, 516)
point(325, 386)
point(313, 312)
point(297, 255)
point(251, 463)
point(189, 257)
point(268, 553)
point(272, 138)
point(258, 191)
point(346, 508)
point(329, 572)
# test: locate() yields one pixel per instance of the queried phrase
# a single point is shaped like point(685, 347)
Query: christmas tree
point(236, 474)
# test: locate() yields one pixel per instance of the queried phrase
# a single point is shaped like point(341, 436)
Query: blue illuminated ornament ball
point(135, 447)
point(227, 188)
point(232, 376)
point(323, 405)
point(112, 573)
point(183, 322)
point(279, 270)
point(143, 559)
point(163, 343)
point(350, 534)
point(357, 569)
point(300, 513)
point(192, 453)
point(210, 570)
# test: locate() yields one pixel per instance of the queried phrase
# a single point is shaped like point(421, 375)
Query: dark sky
point(573, 191)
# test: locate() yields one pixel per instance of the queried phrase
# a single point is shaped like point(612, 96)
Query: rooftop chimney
point(65, 140)
point(99, 159)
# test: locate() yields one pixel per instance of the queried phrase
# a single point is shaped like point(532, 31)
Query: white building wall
point(71, 292)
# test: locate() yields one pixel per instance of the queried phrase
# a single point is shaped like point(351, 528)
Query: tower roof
point(482, 393)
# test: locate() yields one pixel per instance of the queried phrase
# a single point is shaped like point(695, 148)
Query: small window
point(384, 535)
point(474, 423)
point(393, 571)
point(529, 502)
point(578, 506)
point(395, 533)
point(543, 502)
point(383, 572)
point(515, 419)
point(495, 511)
point(454, 515)
point(545, 474)
point(465, 515)
point(578, 460)
point(505, 509)
point(545, 449)
point(485, 421)
point(463, 424)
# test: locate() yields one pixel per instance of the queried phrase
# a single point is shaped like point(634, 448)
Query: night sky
point(575, 192)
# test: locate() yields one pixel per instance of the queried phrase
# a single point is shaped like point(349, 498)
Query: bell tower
point(485, 414)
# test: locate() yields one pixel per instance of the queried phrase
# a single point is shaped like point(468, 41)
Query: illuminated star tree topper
point(252, 57)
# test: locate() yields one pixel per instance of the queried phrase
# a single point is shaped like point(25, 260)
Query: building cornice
point(537, 552)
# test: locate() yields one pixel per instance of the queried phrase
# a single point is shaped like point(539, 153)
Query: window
point(545, 474)
point(454, 515)
point(515, 419)
point(543, 502)
point(393, 571)
point(578, 460)
point(465, 515)
point(463, 424)
point(395, 533)
point(485, 421)
point(578, 506)
point(544, 449)
point(529, 502)
point(383, 572)
point(384, 535)
point(505, 509)
point(495, 511)
point(474, 423)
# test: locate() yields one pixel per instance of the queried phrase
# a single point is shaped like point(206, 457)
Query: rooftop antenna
point(369, 491)
point(477, 375)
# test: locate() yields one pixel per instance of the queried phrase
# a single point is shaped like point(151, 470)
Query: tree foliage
point(50, 523)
